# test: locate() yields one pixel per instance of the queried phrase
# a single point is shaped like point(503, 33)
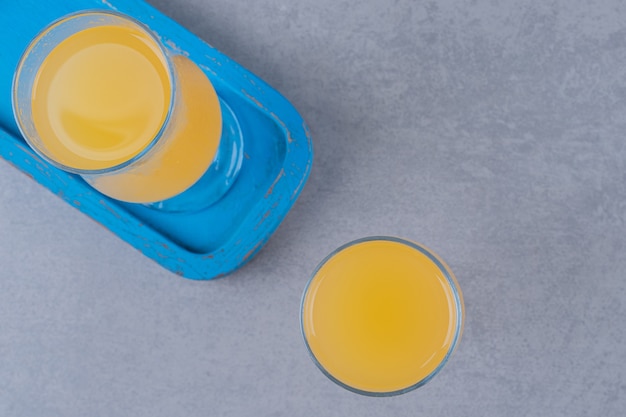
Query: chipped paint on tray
point(172, 45)
point(106, 3)
point(270, 190)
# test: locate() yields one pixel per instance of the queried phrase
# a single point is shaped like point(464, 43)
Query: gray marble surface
point(490, 131)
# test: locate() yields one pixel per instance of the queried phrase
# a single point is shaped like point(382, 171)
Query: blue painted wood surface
point(211, 243)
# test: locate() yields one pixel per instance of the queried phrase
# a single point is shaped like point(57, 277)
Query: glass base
point(220, 175)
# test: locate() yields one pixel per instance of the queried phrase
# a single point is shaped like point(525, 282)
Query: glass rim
point(67, 18)
point(458, 304)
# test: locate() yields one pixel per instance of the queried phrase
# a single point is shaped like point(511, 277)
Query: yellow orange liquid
point(379, 316)
point(101, 97)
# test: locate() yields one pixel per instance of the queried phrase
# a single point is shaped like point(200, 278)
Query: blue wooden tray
point(208, 244)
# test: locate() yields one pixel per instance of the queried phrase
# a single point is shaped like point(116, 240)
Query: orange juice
point(380, 316)
point(102, 96)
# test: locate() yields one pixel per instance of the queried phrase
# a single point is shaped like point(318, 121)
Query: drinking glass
point(381, 316)
point(96, 93)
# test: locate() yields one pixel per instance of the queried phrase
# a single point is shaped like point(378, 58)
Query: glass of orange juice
point(381, 316)
point(96, 93)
